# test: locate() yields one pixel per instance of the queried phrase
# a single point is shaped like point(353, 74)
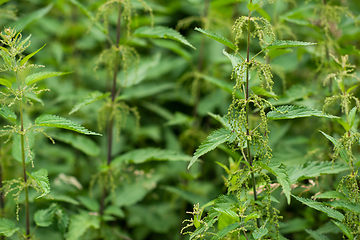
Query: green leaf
point(282, 176)
point(28, 143)
point(261, 91)
point(223, 232)
point(321, 207)
point(5, 82)
point(345, 205)
point(136, 74)
point(345, 125)
point(161, 32)
point(82, 143)
point(314, 169)
point(32, 96)
point(80, 223)
point(291, 112)
point(7, 227)
point(228, 87)
point(336, 143)
point(216, 138)
point(287, 43)
point(252, 6)
point(23, 22)
point(33, 78)
point(236, 62)
point(44, 217)
point(352, 115)
point(173, 46)
point(7, 113)
point(150, 154)
point(89, 203)
point(48, 120)
point(252, 215)
point(331, 194)
point(42, 180)
point(260, 232)
point(345, 229)
point(218, 38)
point(26, 59)
point(91, 98)
point(63, 220)
point(3, 1)
point(315, 235)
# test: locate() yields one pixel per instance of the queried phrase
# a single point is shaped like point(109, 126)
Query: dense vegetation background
point(167, 95)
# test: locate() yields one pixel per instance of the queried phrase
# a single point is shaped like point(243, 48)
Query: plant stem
point(2, 200)
point(111, 120)
point(22, 139)
point(248, 113)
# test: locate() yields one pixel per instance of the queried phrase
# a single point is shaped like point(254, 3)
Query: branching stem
point(248, 113)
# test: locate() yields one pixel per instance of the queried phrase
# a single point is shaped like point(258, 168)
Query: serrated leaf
point(42, 180)
point(63, 220)
point(345, 205)
point(345, 229)
point(33, 78)
point(161, 32)
point(7, 113)
point(91, 98)
point(216, 138)
point(80, 223)
point(260, 232)
point(315, 235)
point(7, 227)
point(44, 217)
point(321, 207)
point(150, 154)
point(27, 57)
point(282, 176)
point(352, 115)
point(32, 96)
point(336, 143)
point(288, 43)
point(223, 232)
point(5, 82)
point(28, 143)
point(218, 38)
point(252, 215)
point(82, 143)
point(235, 62)
point(331, 194)
point(261, 91)
point(291, 112)
point(314, 169)
point(48, 120)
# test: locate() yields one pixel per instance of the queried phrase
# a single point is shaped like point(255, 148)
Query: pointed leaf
point(42, 180)
point(5, 82)
point(291, 112)
point(282, 176)
point(345, 229)
point(161, 32)
point(223, 232)
point(48, 120)
point(352, 115)
point(80, 223)
point(44, 217)
point(28, 143)
point(216, 138)
point(321, 207)
point(32, 17)
point(331, 194)
point(260, 232)
point(314, 169)
point(91, 98)
point(150, 154)
point(80, 142)
point(7, 113)
point(33, 78)
point(63, 220)
point(315, 235)
point(261, 91)
point(345, 125)
point(288, 43)
point(336, 143)
point(218, 38)
point(7, 227)
point(236, 62)
point(26, 59)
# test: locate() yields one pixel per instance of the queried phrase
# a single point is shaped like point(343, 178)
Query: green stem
point(248, 113)
point(2, 200)
point(22, 139)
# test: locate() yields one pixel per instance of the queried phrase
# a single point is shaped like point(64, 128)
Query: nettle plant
point(18, 94)
point(246, 211)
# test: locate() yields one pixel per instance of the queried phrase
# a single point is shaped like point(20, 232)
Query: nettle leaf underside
point(216, 138)
point(218, 38)
point(287, 44)
point(292, 112)
point(161, 32)
point(7, 227)
point(48, 120)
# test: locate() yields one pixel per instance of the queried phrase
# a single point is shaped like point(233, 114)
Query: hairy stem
point(248, 113)
point(2, 200)
point(22, 142)
point(111, 120)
